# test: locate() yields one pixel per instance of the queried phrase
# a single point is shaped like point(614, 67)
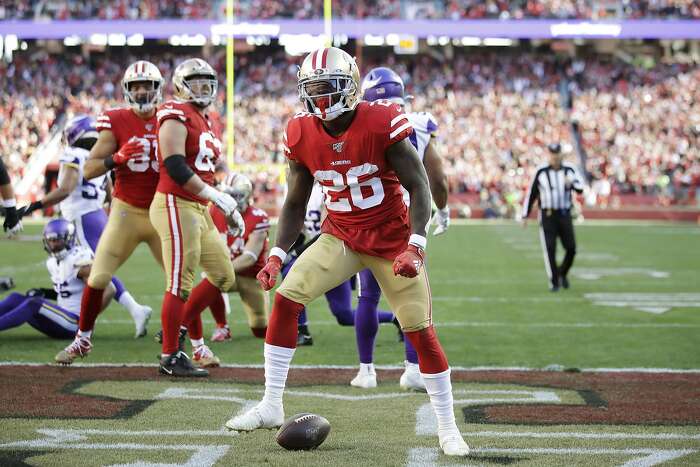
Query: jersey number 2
point(351, 180)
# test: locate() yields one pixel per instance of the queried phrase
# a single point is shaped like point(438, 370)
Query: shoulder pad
point(172, 110)
point(292, 134)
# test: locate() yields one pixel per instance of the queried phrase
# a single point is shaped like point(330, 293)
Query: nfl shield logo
point(149, 126)
point(338, 147)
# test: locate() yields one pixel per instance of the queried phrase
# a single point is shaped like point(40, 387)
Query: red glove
point(268, 275)
point(129, 150)
point(409, 262)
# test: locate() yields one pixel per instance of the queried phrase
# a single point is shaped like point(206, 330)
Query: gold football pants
point(126, 227)
point(189, 239)
point(328, 263)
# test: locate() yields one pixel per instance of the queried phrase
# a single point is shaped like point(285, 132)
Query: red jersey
point(362, 192)
point(202, 147)
point(135, 181)
point(256, 220)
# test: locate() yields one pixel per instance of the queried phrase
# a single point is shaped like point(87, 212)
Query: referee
point(551, 187)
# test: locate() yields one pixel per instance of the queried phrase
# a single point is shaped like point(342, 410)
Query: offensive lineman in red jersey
point(248, 256)
point(187, 151)
point(361, 155)
point(127, 145)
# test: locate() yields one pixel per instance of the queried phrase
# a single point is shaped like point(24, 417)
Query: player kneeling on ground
point(69, 266)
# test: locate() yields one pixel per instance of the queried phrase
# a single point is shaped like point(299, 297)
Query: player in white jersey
point(68, 266)
point(384, 84)
point(81, 201)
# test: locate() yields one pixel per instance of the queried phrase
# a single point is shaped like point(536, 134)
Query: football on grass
point(303, 431)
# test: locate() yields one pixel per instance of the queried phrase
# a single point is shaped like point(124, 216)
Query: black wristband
point(109, 163)
point(178, 169)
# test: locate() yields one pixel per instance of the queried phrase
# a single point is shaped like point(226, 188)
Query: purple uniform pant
point(43, 315)
point(368, 317)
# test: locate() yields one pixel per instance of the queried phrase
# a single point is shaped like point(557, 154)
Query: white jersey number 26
point(351, 180)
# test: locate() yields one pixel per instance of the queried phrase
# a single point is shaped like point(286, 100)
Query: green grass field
point(491, 304)
point(634, 304)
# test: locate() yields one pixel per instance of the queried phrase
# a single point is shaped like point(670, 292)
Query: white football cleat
point(453, 444)
point(203, 357)
point(221, 334)
point(263, 415)
point(411, 379)
point(80, 347)
point(141, 317)
point(366, 377)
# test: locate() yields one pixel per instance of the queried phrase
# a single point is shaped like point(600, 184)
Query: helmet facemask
point(58, 244)
point(143, 101)
point(202, 89)
point(332, 103)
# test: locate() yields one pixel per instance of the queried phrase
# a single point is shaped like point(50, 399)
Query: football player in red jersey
point(126, 144)
point(248, 256)
point(361, 155)
point(188, 151)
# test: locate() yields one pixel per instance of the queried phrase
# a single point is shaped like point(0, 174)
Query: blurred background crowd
point(638, 127)
point(388, 9)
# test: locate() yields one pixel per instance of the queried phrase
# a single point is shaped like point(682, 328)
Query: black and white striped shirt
point(553, 188)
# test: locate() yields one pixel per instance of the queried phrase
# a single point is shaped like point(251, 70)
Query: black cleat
point(395, 322)
point(304, 339)
point(554, 288)
point(564, 282)
point(180, 340)
point(180, 365)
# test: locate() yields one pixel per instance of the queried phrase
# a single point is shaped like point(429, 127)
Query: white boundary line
point(379, 367)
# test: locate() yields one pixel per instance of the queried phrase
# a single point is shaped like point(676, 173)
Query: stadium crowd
point(307, 9)
point(640, 129)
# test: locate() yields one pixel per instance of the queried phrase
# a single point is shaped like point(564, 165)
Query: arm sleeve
point(4, 176)
point(104, 122)
point(578, 184)
point(168, 112)
point(398, 126)
point(532, 195)
point(262, 223)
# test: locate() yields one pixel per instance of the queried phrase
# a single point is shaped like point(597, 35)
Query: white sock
point(128, 302)
point(367, 368)
point(277, 360)
point(439, 389)
point(85, 334)
point(411, 366)
point(197, 342)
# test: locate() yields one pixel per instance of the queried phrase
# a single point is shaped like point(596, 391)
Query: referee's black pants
point(557, 223)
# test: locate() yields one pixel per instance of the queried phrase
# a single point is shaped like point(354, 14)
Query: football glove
point(35, 293)
point(441, 219)
point(222, 200)
point(268, 275)
point(13, 221)
point(236, 225)
point(132, 148)
point(409, 263)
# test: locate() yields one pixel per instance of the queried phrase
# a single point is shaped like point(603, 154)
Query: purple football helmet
point(383, 83)
point(59, 237)
point(78, 127)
